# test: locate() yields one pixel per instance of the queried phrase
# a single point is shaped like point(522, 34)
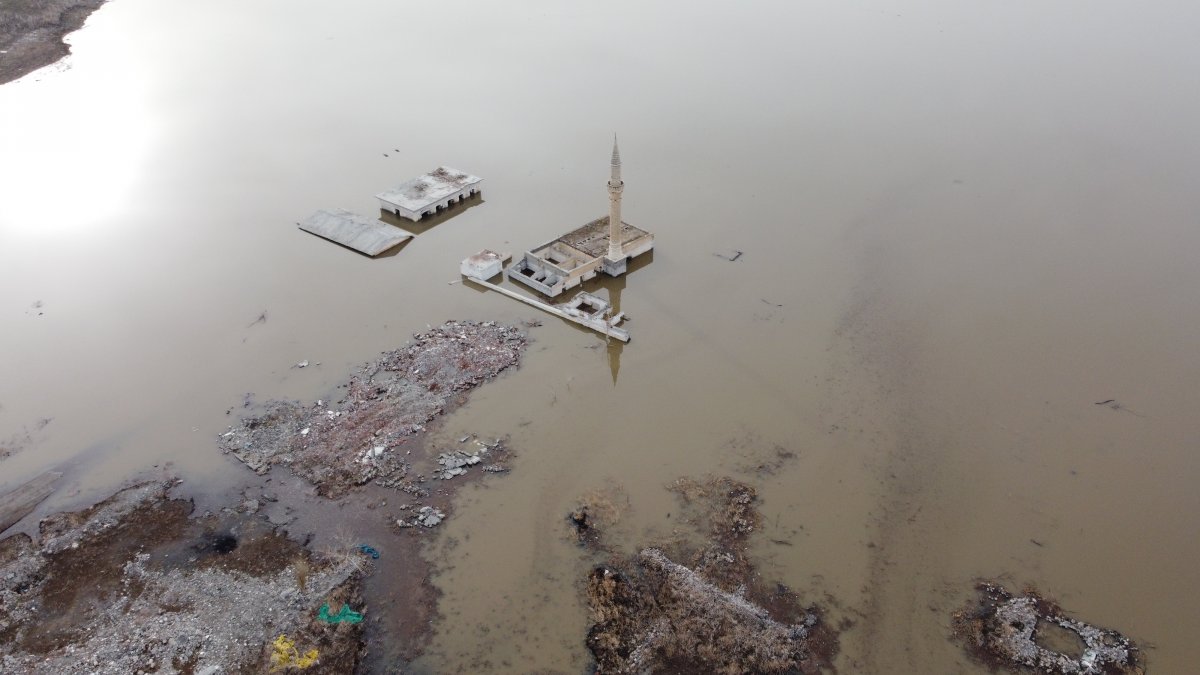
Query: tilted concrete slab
point(21, 501)
point(369, 237)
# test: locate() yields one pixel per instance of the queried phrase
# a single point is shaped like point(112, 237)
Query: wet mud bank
point(695, 603)
point(135, 585)
point(31, 33)
point(369, 434)
point(315, 564)
point(363, 455)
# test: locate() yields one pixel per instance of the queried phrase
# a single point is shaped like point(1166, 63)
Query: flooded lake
point(963, 227)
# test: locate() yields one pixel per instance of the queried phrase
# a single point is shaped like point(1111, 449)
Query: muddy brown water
point(962, 226)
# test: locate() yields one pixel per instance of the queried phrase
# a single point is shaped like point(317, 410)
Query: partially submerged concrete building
point(605, 244)
point(484, 265)
point(429, 194)
point(585, 309)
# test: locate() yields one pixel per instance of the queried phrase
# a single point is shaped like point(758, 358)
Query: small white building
point(430, 194)
point(484, 265)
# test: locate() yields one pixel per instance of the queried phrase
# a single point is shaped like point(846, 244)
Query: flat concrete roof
point(592, 239)
point(364, 235)
point(420, 192)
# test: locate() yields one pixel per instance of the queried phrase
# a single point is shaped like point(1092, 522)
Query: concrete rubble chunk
point(428, 516)
point(454, 464)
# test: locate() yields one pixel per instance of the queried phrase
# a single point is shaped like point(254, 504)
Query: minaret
point(615, 187)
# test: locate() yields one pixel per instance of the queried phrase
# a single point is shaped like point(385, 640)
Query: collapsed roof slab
point(369, 237)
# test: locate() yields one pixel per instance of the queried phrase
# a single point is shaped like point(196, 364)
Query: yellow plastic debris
point(284, 655)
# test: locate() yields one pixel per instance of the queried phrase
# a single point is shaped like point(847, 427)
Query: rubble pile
point(1008, 631)
point(455, 464)
point(652, 614)
point(387, 403)
point(105, 590)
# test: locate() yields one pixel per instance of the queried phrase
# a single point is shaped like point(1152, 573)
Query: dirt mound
point(387, 403)
point(651, 614)
point(1030, 633)
point(31, 33)
point(134, 585)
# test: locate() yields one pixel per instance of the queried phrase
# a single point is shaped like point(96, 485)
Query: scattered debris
point(284, 655)
point(344, 615)
point(455, 464)
point(730, 258)
point(579, 521)
point(369, 550)
point(664, 617)
point(428, 516)
point(22, 439)
point(1115, 405)
point(262, 318)
point(650, 613)
point(598, 512)
point(133, 584)
point(1029, 632)
point(387, 404)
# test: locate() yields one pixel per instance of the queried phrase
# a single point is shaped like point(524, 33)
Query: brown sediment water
point(961, 227)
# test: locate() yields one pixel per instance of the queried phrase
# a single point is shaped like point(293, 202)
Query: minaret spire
point(615, 187)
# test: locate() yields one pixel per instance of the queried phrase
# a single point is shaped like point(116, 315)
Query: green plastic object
point(345, 614)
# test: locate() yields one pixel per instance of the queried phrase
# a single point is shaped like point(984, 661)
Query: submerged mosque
point(605, 244)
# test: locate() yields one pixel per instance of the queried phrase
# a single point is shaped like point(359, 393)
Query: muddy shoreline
point(31, 33)
point(341, 501)
point(318, 561)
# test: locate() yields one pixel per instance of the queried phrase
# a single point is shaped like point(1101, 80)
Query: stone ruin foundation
point(1016, 632)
